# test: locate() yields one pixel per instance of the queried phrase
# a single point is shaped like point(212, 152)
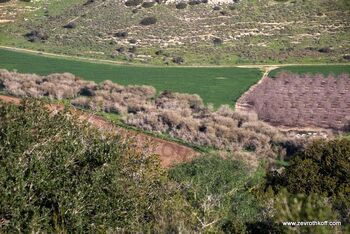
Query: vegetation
point(314, 69)
point(59, 175)
point(233, 172)
point(218, 86)
point(319, 179)
point(265, 31)
point(148, 21)
point(219, 192)
point(182, 116)
point(327, 167)
point(306, 100)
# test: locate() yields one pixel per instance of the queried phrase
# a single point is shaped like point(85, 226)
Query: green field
point(313, 69)
point(221, 85)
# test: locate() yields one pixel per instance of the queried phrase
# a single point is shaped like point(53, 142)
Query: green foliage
point(324, 167)
point(314, 69)
point(60, 175)
point(133, 2)
point(148, 21)
point(321, 171)
point(223, 85)
point(305, 208)
point(219, 190)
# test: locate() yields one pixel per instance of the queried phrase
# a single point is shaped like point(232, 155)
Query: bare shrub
point(183, 116)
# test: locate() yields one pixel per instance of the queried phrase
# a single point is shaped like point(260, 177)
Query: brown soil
point(170, 153)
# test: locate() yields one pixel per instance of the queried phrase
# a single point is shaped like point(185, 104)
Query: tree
point(324, 167)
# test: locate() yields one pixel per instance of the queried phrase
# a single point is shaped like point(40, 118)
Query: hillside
point(60, 175)
point(163, 32)
point(175, 116)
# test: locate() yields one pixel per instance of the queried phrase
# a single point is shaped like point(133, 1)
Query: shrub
point(88, 2)
point(322, 168)
point(194, 2)
point(148, 21)
point(132, 49)
point(120, 49)
point(218, 190)
point(36, 36)
point(121, 34)
point(148, 4)
point(70, 25)
point(178, 60)
point(217, 41)
point(325, 50)
point(224, 13)
point(308, 208)
point(132, 41)
point(181, 5)
point(133, 2)
point(182, 116)
point(60, 175)
point(159, 52)
point(346, 57)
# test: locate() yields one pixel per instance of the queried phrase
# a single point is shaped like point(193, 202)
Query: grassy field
point(221, 85)
point(314, 69)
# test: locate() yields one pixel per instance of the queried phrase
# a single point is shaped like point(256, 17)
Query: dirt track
point(170, 153)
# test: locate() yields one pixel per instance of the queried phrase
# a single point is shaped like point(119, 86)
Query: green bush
point(148, 4)
point(324, 167)
point(148, 21)
point(306, 208)
point(133, 2)
point(60, 175)
point(219, 192)
point(181, 5)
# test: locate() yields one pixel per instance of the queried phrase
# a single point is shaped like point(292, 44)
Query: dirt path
point(170, 153)
point(105, 61)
